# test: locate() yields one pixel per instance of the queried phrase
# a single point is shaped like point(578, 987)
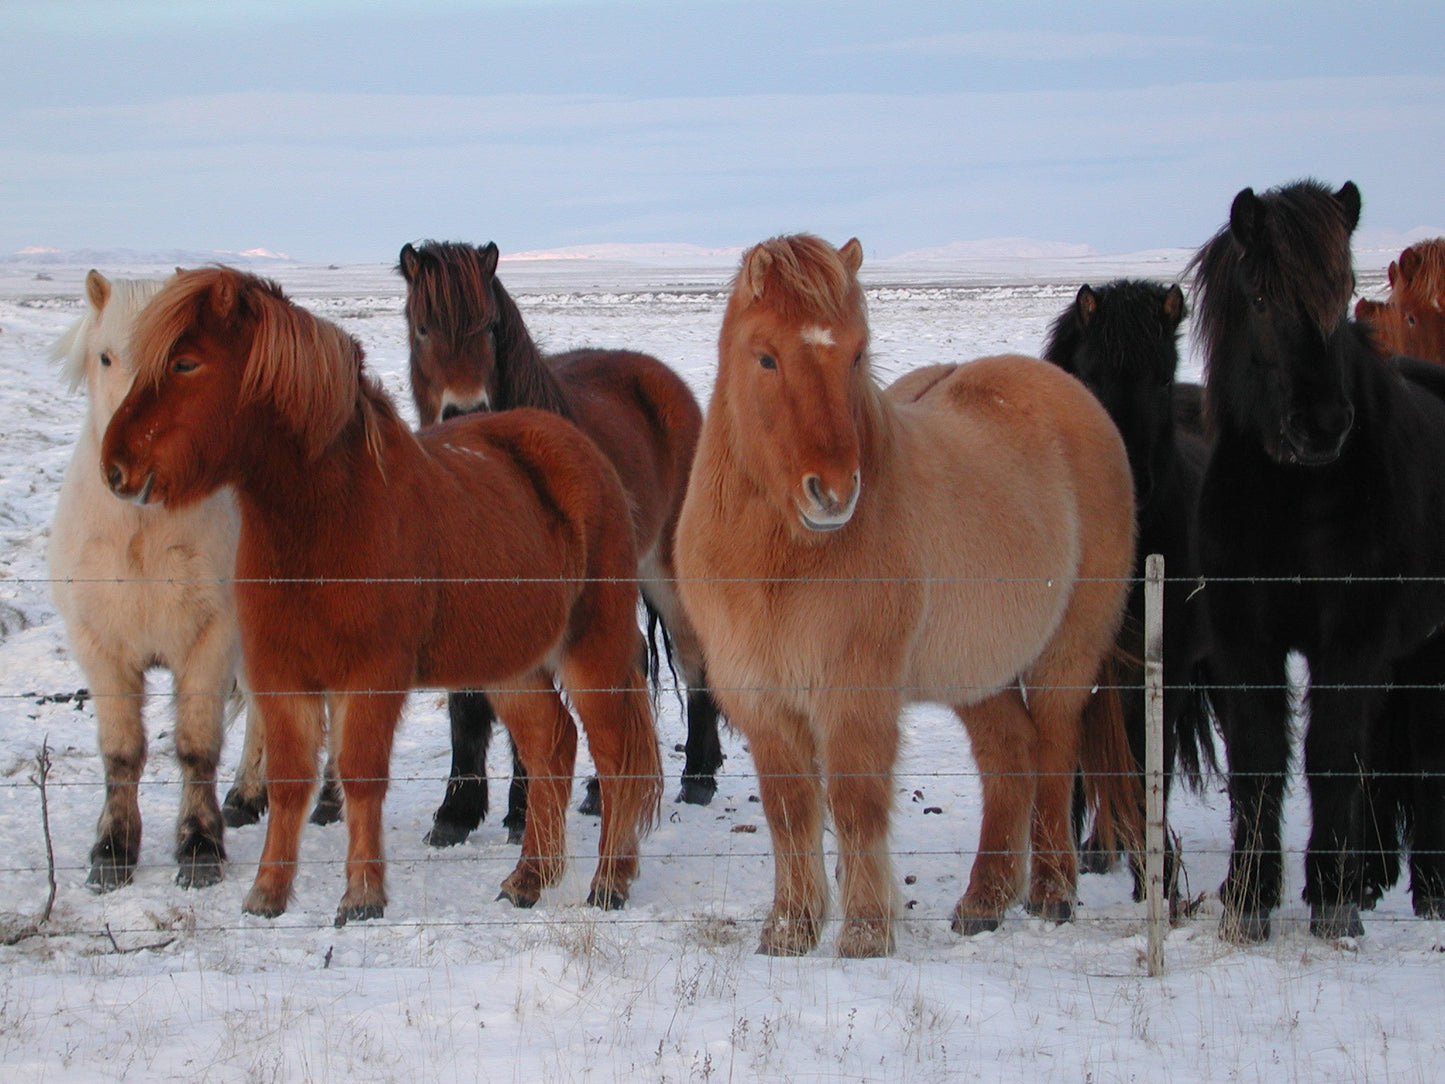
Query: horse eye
point(1259, 303)
point(105, 359)
point(1410, 318)
point(183, 365)
point(767, 361)
point(858, 357)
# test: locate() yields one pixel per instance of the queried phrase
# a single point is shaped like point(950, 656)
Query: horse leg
point(545, 737)
point(1056, 709)
point(1413, 773)
point(367, 724)
point(703, 755)
point(1003, 738)
point(331, 799)
point(465, 802)
point(117, 692)
point(611, 699)
point(201, 690)
point(785, 757)
point(860, 750)
point(515, 822)
point(293, 727)
point(245, 802)
point(1253, 708)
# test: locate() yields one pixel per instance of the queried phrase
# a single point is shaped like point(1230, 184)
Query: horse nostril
point(814, 488)
point(449, 412)
point(114, 477)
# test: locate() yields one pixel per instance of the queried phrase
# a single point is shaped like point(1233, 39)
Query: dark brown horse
point(493, 553)
point(470, 350)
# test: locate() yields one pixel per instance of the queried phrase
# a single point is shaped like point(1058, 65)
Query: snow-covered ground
point(153, 982)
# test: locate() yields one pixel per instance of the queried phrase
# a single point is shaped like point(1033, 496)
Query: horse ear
point(1409, 265)
point(407, 262)
point(490, 255)
point(852, 253)
point(1349, 200)
point(756, 265)
point(1086, 303)
point(1365, 309)
point(223, 298)
point(1245, 215)
point(1393, 273)
point(1173, 306)
point(97, 289)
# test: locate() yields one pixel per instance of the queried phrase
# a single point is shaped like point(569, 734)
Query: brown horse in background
point(493, 552)
point(470, 350)
point(1419, 274)
point(964, 538)
point(1404, 327)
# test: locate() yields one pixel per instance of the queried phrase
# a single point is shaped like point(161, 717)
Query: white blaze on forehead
point(818, 335)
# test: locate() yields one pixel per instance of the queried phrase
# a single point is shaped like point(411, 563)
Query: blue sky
point(338, 131)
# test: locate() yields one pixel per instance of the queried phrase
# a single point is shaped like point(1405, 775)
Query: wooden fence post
point(1154, 760)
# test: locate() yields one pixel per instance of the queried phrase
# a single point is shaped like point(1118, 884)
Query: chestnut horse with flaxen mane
point(964, 537)
point(493, 552)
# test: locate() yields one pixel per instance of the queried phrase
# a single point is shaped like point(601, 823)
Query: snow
point(154, 982)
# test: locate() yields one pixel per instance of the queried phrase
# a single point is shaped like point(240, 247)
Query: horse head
point(451, 317)
point(1273, 297)
point(1122, 341)
point(794, 377)
point(225, 367)
point(1419, 274)
point(1405, 327)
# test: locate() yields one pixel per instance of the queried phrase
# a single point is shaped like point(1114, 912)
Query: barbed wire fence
point(1156, 921)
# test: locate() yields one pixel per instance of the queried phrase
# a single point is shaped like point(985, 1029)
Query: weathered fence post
point(1154, 760)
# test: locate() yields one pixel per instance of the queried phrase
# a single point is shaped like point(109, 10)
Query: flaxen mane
point(309, 367)
point(802, 277)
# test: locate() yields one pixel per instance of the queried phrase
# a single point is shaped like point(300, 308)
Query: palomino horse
point(142, 587)
point(1322, 531)
point(493, 553)
point(1121, 340)
point(965, 538)
point(470, 350)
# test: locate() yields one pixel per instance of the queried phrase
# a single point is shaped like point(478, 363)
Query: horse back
point(646, 421)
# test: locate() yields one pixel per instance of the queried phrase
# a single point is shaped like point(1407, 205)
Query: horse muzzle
point(456, 406)
point(1316, 442)
point(824, 510)
point(124, 487)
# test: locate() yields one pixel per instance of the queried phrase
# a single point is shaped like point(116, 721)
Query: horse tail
point(1111, 774)
point(640, 762)
point(1194, 732)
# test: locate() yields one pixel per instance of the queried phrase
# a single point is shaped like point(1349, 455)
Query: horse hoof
point(108, 876)
point(969, 925)
point(360, 912)
point(1057, 911)
point(1244, 927)
point(238, 813)
point(517, 899)
point(515, 832)
point(199, 873)
point(789, 937)
point(1333, 921)
point(592, 800)
point(865, 939)
point(262, 905)
point(1429, 906)
point(327, 811)
point(446, 834)
point(697, 790)
point(607, 899)
point(1094, 860)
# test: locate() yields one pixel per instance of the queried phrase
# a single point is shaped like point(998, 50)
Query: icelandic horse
point(492, 552)
point(139, 588)
point(965, 537)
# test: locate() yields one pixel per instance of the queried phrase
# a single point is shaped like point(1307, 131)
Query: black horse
point(471, 350)
point(1122, 341)
point(1322, 531)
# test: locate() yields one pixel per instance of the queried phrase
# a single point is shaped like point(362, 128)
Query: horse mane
point(801, 277)
point(1127, 312)
point(308, 367)
point(1303, 258)
point(448, 290)
point(1426, 282)
point(126, 298)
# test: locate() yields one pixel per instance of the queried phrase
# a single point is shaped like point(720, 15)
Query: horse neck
point(523, 376)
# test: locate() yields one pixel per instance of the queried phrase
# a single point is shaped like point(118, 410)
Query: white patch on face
point(818, 336)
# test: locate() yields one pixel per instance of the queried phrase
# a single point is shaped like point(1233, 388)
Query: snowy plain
point(153, 982)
